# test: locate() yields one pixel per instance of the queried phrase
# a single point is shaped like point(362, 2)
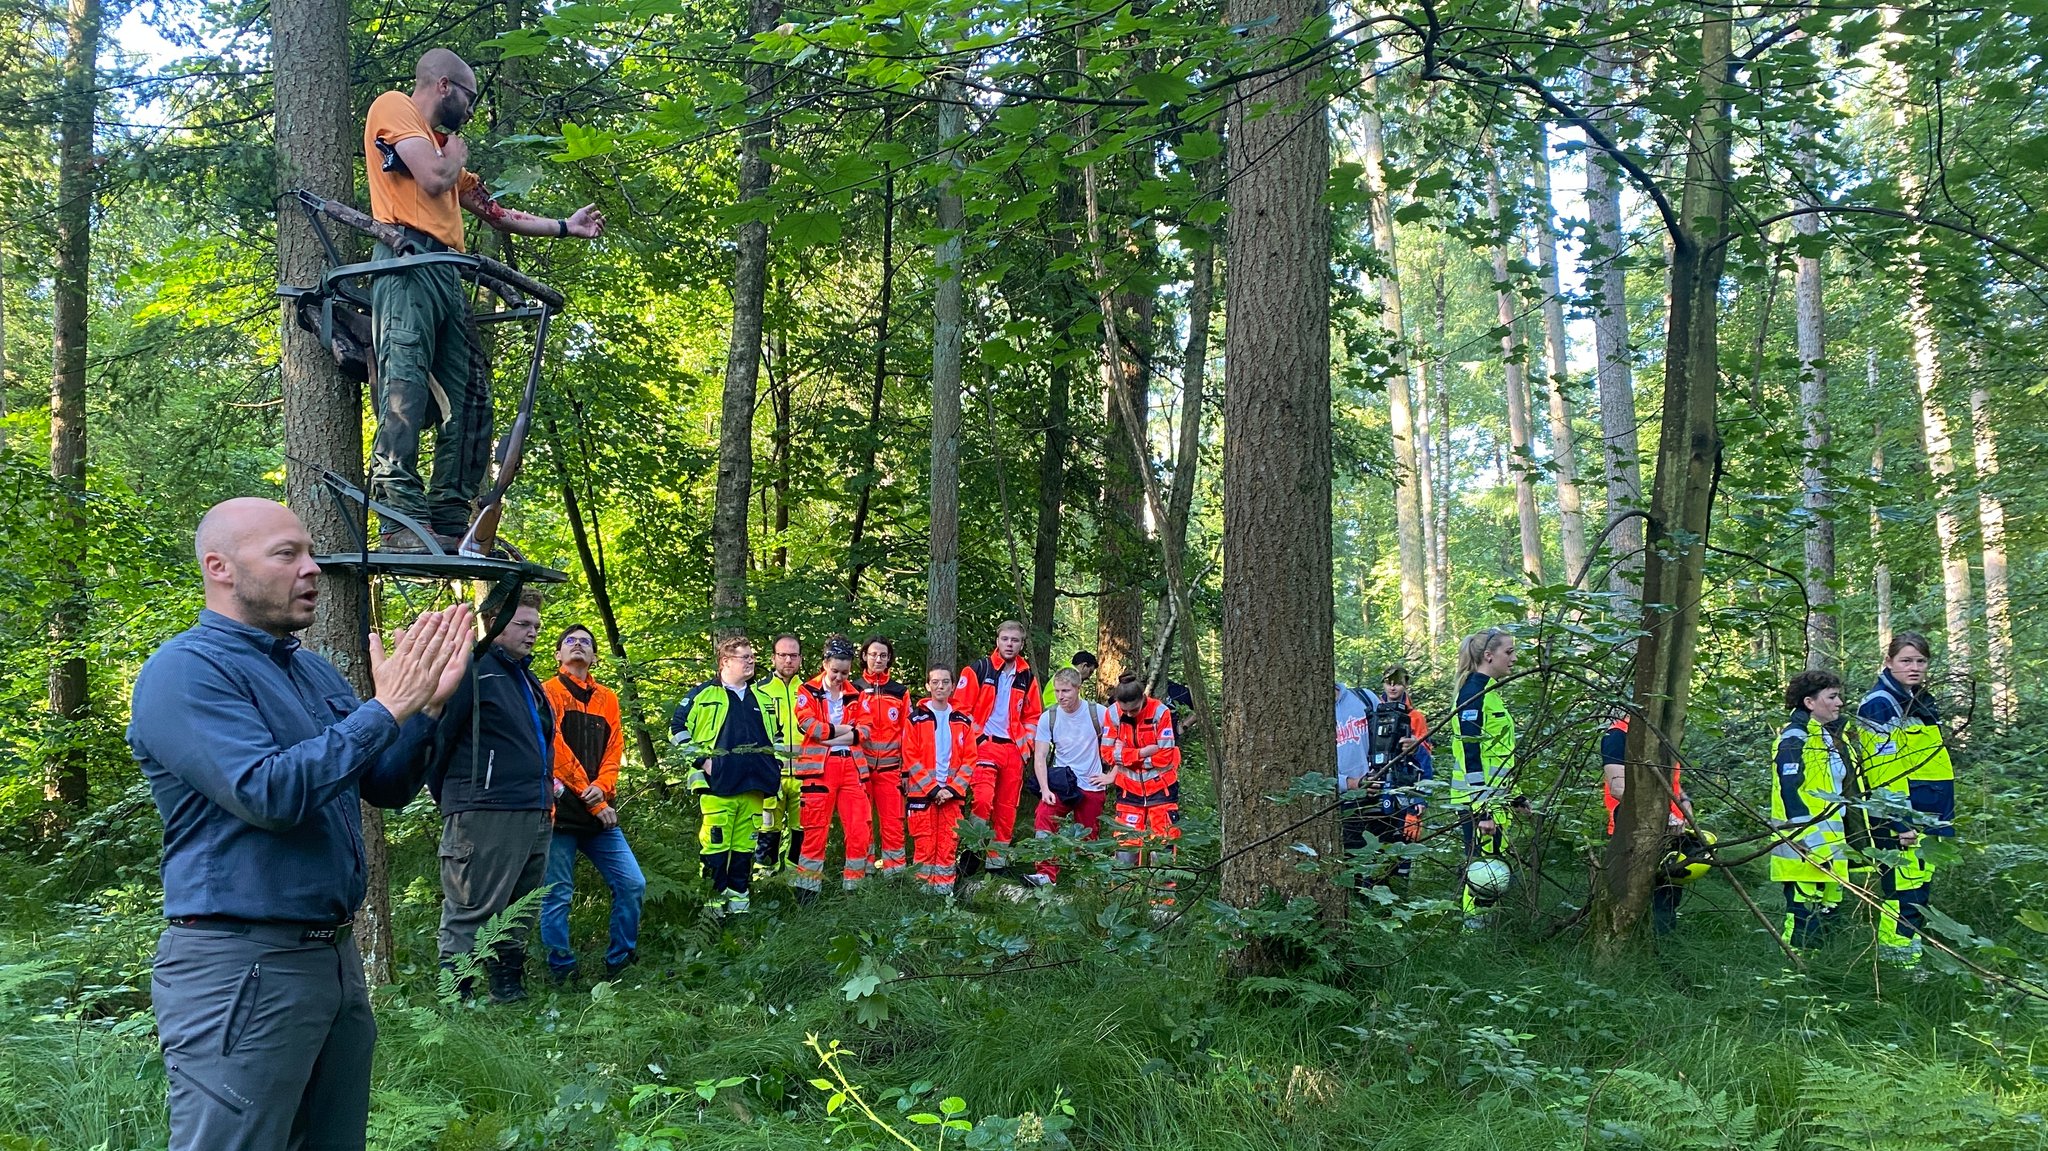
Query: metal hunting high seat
point(338, 311)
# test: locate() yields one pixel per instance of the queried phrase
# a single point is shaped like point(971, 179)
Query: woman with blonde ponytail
point(1482, 756)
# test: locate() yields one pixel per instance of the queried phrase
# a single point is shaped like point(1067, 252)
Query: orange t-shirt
point(395, 197)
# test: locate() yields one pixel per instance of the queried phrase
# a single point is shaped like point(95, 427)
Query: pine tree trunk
point(729, 542)
point(317, 149)
point(942, 597)
point(1688, 452)
point(1881, 572)
point(1607, 280)
point(1514, 359)
point(1278, 604)
point(1563, 444)
point(1400, 402)
point(1121, 546)
point(871, 445)
point(1823, 640)
point(77, 185)
point(1998, 652)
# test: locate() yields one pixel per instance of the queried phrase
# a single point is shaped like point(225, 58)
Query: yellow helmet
point(1693, 859)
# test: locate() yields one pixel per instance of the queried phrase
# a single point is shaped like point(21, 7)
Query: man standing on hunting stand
point(430, 366)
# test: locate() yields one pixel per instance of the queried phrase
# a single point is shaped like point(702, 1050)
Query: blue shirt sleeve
point(399, 773)
point(192, 718)
point(1614, 746)
point(1879, 712)
point(1792, 772)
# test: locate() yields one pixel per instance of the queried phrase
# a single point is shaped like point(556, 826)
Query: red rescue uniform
point(831, 779)
point(1004, 700)
point(938, 769)
point(1147, 786)
point(886, 704)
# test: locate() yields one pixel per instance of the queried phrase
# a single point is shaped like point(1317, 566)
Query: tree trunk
point(871, 445)
point(1514, 359)
point(1823, 639)
point(599, 581)
point(1997, 592)
point(1052, 477)
point(1432, 553)
point(729, 544)
point(77, 184)
point(1278, 602)
point(1607, 280)
point(1400, 403)
point(1688, 454)
point(1563, 444)
point(1194, 376)
point(317, 149)
point(1440, 459)
point(1126, 457)
point(782, 441)
point(1881, 572)
point(942, 598)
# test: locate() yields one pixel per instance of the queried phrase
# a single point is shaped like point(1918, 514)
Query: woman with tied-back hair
point(1482, 757)
point(1906, 764)
point(1810, 856)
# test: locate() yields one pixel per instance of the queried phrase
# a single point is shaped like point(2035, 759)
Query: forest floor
point(1086, 1019)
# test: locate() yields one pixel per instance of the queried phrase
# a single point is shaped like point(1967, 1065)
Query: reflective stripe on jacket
point(921, 737)
point(976, 695)
point(886, 703)
point(1809, 768)
point(814, 723)
point(1123, 735)
point(1482, 745)
point(1899, 733)
point(699, 729)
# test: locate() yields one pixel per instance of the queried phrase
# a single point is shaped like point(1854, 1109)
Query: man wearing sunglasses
point(431, 371)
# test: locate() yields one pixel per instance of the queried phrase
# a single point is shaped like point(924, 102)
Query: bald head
point(441, 64)
point(257, 563)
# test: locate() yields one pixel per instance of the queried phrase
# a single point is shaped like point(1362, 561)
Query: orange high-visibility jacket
point(814, 720)
point(886, 704)
point(1152, 779)
point(977, 696)
point(589, 737)
point(921, 736)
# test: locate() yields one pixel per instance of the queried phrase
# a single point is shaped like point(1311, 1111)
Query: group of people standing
point(778, 761)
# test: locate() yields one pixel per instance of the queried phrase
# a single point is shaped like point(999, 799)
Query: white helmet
point(1488, 877)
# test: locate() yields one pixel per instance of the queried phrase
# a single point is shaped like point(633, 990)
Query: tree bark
point(317, 144)
point(1514, 361)
point(1278, 602)
point(1126, 460)
point(1688, 454)
point(1052, 476)
point(1432, 553)
point(1400, 402)
point(1998, 654)
point(942, 598)
point(1607, 279)
point(1823, 641)
point(1440, 460)
point(782, 442)
point(871, 445)
point(729, 544)
point(65, 781)
point(1563, 444)
point(1881, 572)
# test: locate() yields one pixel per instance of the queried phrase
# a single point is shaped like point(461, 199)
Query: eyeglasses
point(465, 89)
point(578, 641)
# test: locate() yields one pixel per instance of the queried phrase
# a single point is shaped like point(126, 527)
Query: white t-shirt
point(942, 744)
point(998, 725)
point(1075, 742)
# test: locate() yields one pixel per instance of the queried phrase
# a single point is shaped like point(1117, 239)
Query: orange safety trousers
point(998, 784)
point(1143, 831)
point(885, 796)
point(935, 843)
point(839, 790)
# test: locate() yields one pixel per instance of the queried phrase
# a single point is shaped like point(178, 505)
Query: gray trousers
point(489, 859)
point(266, 1040)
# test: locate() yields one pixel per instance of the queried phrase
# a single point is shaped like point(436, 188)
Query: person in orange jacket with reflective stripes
point(830, 770)
point(1138, 742)
point(1001, 693)
point(938, 766)
point(886, 703)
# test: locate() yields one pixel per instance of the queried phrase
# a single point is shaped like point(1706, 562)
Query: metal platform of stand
point(426, 566)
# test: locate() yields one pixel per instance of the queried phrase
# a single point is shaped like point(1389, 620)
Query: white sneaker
point(1037, 880)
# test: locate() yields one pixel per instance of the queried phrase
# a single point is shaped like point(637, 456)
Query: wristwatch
point(561, 228)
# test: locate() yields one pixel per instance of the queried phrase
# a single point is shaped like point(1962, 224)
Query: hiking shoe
point(405, 541)
point(562, 976)
point(508, 981)
point(614, 970)
point(805, 896)
point(1035, 879)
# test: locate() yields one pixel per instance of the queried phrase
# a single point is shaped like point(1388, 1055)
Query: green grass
point(1413, 1037)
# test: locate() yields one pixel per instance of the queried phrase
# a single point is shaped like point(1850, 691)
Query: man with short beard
point(430, 368)
point(258, 755)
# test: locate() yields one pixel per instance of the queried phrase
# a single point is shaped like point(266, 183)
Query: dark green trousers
point(432, 372)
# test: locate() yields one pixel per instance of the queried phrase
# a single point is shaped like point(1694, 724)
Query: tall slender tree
point(1823, 645)
point(317, 149)
point(1515, 364)
point(942, 594)
point(77, 186)
point(1564, 455)
point(1607, 280)
point(1998, 653)
point(729, 542)
point(1278, 601)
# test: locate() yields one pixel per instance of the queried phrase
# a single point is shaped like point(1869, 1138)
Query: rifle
point(508, 283)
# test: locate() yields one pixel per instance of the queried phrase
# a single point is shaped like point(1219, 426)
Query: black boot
point(465, 985)
point(508, 979)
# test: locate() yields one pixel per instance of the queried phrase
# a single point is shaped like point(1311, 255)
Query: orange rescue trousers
point(839, 790)
point(935, 843)
point(885, 795)
point(1145, 833)
point(998, 783)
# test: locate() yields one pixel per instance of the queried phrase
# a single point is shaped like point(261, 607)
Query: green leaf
point(822, 1084)
point(952, 1105)
point(2034, 919)
point(1198, 146)
point(808, 229)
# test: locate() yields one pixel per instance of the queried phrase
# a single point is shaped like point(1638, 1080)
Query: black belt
point(997, 739)
point(273, 931)
point(419, 241)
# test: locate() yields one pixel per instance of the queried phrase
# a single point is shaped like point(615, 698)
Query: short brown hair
point(730, 643)
point(1012, 625)
point(1808, 684)
point(1906, 639)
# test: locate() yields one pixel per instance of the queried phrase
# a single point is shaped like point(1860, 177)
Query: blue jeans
point(621, 872)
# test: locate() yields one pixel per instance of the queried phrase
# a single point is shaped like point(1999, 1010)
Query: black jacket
point(494, 746)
